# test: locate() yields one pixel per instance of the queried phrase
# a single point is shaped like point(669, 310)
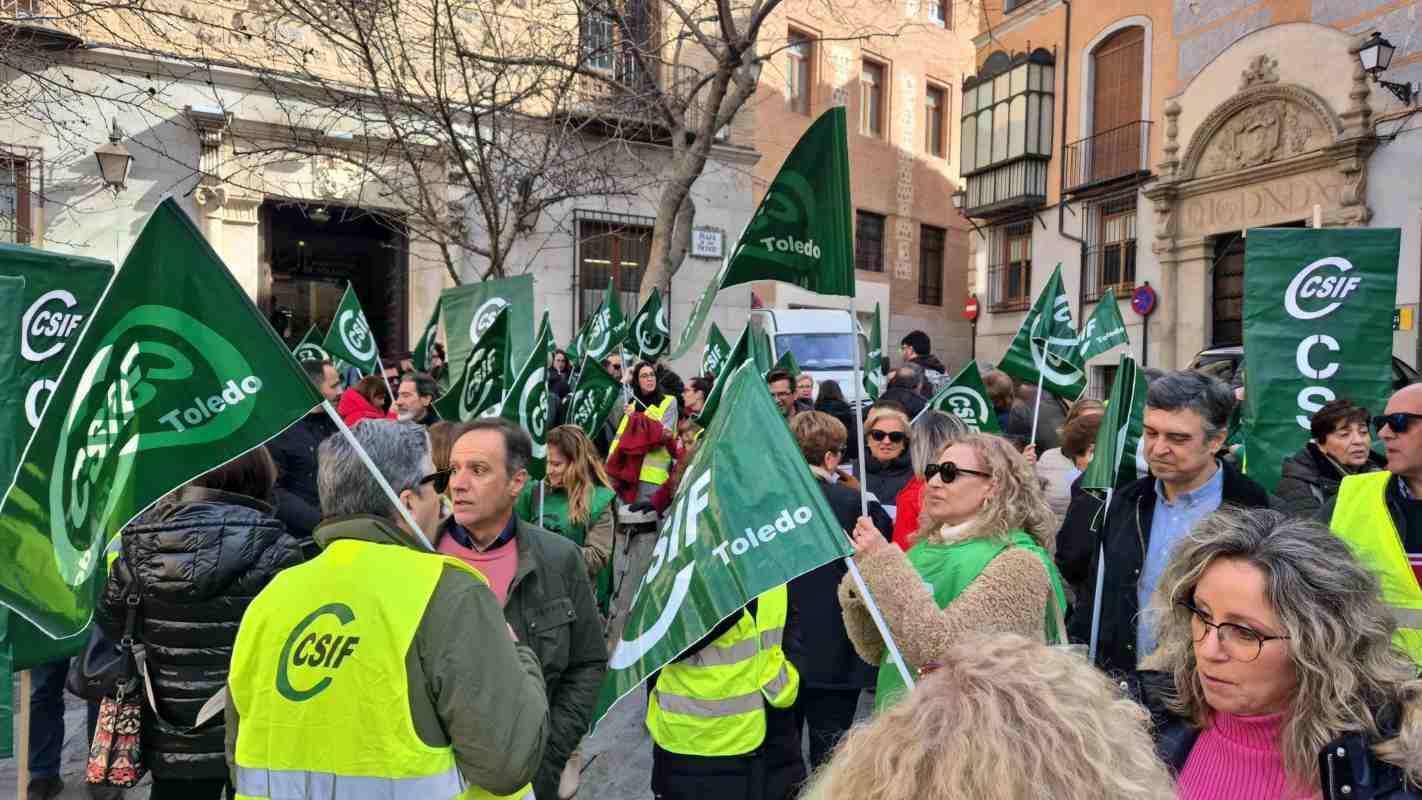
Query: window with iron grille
point(610, 250)
point(799, 61)
point(598, 40)
point(1099, 381)
point(1010, 267)
point(869, 241)
point(15, 200)
point(930, 265)
point(1111, 248)
point(871, 99)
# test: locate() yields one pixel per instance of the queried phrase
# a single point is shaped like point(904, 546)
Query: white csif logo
point(967, 404)
point(1306, 285)
point(355, 334)
point(484, 317)
point(1040, 356)
point(533, 410)
point(42, 321)
point(1313, 283)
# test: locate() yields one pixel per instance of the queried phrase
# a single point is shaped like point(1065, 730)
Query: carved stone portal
point(1270, 131)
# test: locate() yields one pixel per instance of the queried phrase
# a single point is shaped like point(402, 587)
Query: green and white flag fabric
point(593, 398)
point(479, 389)
point(526, 398)
point(966, 397)
point(760, 350)
point(1318, 308)
point(176, 373)
point(717, 348)
point(424, 349)
point(1117, 460)
point(740, 354)
point(874, 378)
point(349, 338)
point(1104, 330)
point(310, 349)
point(1045, 347)
point(788, 363)
point(470, 309)
point(731, 536)
point(649, 335)
point(604, 330)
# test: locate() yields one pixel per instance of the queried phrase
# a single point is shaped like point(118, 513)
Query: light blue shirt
point(1169, 525)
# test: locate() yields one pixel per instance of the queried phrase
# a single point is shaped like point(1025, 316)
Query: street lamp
point(958, 198)
point(114, 160)
point(1376, 56)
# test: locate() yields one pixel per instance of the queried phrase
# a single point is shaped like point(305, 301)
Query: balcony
point(1114, 155)
point(628, 98)
point(1007, 189)
point(31, 23)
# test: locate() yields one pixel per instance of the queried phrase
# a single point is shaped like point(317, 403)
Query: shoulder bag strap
point(212, 708)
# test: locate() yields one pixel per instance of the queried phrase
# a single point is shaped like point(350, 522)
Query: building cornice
point(1025, 16)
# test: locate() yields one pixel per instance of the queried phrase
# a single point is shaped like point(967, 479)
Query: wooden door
point(1227, 317)
point(1118, 67)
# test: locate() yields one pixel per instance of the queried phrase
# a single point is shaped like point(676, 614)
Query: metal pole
point(379, 478)
point(390, 393)
point(1100, 582)
point(1037, 409)
point(22, 745)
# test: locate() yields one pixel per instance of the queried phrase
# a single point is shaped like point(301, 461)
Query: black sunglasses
point(1399, 421)
point(439, 479)
point(897, 437)
point(949, 472)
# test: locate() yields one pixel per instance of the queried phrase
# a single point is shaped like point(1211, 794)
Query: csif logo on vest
point(482, 381)
point(1315, 292)
point(316, 646)
point(45, 328)
point(484, 316)
point(135, 395)
point(355, 335)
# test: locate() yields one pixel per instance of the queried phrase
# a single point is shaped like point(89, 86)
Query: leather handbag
point(95, 674)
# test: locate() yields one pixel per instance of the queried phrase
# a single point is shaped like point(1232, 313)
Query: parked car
point(1226, 362)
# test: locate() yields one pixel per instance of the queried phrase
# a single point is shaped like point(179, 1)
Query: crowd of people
point(1198, 637)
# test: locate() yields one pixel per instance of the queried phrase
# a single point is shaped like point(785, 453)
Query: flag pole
point(1100, 582)
point(375, 472)
point(1037, 409)
point(863, 471)
point(22, 741)
point(388, 391)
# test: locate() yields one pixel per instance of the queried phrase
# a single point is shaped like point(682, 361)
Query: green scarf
point(557, 519)
point(947, 569)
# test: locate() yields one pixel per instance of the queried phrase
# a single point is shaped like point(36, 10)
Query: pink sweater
point(1238, 758)
point(498, 565)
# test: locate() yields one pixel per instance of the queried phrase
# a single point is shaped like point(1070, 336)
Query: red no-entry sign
point(970, 309)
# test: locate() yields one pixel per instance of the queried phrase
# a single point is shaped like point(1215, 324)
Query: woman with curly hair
point(1005, 718)
point(1286, 681)
point(983, 564)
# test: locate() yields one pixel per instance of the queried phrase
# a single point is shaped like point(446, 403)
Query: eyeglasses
point(1239, 643)
point(1399, 421)
point(439, 479)
point(949, 472)
point(897, 437)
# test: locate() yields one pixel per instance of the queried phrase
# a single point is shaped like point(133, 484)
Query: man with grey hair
point(379, 668)
point(1186, 421)
point(414, 399)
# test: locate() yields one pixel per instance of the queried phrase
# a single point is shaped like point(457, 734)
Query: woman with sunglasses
point(886, 449)
point(980, 563)
point(1279, 676)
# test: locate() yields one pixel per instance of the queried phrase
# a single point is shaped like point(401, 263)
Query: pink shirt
point(1238, 758)
point(497, 565)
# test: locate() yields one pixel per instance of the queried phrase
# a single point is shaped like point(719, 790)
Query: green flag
point(788, 363)
point(874, 378)
point(717, 349)
point(1317, 325)
point(175, 373)
point(740, 354)
point(604, 330)
point(732, 535)
point(1116, 460)
point(470, 309)
point(1044, 348)
point(425, 348)
point(593, 398)
point(648, 335)
point(760, 350)
point(349, 338)
point(967, 398)
point(526, 398)
point(310, 349)
point(479, 389)
point(801, 231)
point(1104, 330)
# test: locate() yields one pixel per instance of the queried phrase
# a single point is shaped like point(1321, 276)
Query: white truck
point(823, 341)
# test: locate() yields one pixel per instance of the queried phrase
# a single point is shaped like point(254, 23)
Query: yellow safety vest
point(713, 702)
point(1361, 518)
point(656, 465)
point(319, 682)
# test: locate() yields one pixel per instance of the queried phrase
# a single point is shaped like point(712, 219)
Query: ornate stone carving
point(1358, 117)
point(335, 179)
point(1262, 69)
point(1262, 124)
point(1169, 166)
point(212, 198)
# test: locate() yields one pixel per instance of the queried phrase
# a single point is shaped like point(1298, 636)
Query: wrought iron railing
point(1107, 156)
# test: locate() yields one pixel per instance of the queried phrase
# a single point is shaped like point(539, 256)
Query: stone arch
point(1301, 120)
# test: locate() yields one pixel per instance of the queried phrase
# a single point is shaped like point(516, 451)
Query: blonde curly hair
point(1015, 503)
point(1005, 718)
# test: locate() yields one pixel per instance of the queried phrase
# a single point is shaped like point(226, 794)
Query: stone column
point(1190, 262)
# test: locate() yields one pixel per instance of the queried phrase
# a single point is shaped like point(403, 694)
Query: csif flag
point(605, 329)
point(760, 350)
point(175, 374)
point(310, 349)
point(731, 535)
point(966, 397)
point(740, 354)
point(470, 309)
point(424, 350)
point(717, 349)
point(480, 386)
point(789, 363)
point(526, 398)
point(1104, 330)
point(349, 338)
point(1044, 349)
point(1117, 460)
point(593, 398)
point(648, 336)
point(874, 378)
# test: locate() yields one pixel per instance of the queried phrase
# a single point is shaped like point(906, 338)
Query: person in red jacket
point(366, 400)
point(931, 432)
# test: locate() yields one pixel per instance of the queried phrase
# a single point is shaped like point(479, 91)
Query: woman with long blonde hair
point(983, 566)
point(1006, 718)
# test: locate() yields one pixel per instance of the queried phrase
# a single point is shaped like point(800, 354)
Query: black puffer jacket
point(840, 410)
point(1309, 478)
point(888, 478)
point(197, 560)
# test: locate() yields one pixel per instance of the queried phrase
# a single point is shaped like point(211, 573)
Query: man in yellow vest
point(1379, 514)
point(379, 669)
point(720, 716)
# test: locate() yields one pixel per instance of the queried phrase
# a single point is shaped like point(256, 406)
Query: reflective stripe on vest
point(656, 465)
point(1362, 519)
point(318, 678)
point(713, 702)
